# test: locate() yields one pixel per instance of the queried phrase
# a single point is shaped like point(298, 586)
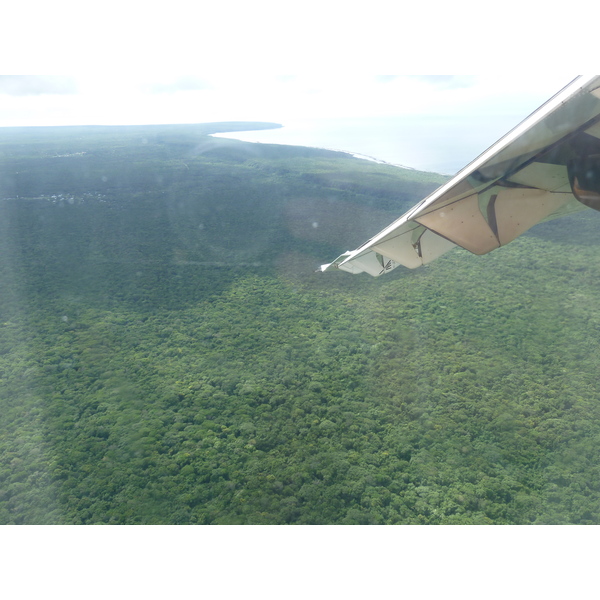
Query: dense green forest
point(169, 356)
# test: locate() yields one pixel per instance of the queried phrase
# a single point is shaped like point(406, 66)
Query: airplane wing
point(546, 167)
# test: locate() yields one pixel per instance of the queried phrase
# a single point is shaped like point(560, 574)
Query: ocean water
point(439, 144)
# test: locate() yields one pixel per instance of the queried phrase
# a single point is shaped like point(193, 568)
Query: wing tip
point(333, 265)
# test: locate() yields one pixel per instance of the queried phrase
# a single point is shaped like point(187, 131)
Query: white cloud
point(34, 85)
point(131, 98)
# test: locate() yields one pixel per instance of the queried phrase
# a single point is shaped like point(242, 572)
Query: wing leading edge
point(546, 167)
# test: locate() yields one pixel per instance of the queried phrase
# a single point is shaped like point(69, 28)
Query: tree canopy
point(168, 355)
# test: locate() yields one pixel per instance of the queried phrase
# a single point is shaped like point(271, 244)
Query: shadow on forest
point(169, 355)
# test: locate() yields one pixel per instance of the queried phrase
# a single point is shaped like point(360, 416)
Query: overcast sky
point(436, 123)
point(186, 62)
point(135, 99)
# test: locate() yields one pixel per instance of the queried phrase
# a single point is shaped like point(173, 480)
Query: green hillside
point(169, 355)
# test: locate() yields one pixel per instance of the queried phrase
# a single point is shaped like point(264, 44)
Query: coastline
point(421, 143)
point(246, 135)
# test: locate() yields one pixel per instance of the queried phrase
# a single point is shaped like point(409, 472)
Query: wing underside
point(523, 179)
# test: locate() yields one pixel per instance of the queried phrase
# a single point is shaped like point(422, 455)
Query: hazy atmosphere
point(436, 123)
point(168, 354)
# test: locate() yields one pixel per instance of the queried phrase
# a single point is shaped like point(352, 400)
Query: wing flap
point(462, 223)
point(520, 181)
point(517, 210)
